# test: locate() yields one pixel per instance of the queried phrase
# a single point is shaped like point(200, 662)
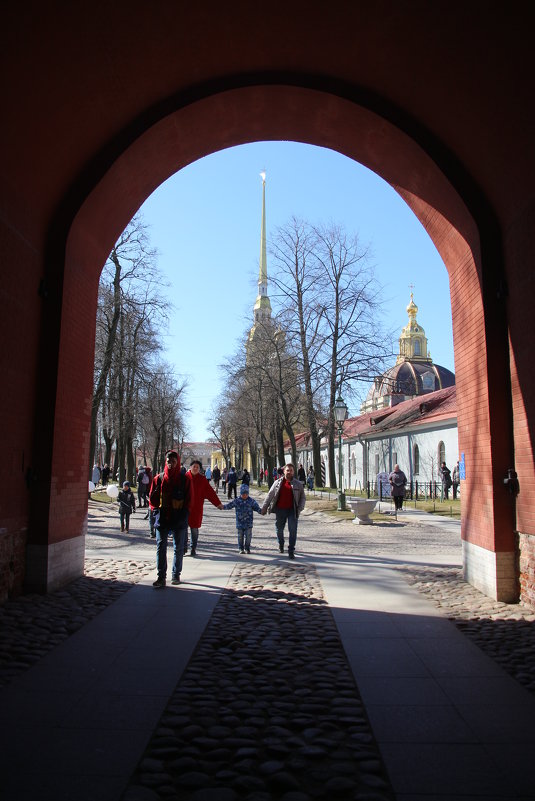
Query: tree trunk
point(333, 482)
point(108, 355)
point(280, 442)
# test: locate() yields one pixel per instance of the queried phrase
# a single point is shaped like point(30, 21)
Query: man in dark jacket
point(287, 499)
point(446, 479)
point(171, 495)
point(232, 480)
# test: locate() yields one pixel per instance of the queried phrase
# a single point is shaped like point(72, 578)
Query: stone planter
point(362, 507)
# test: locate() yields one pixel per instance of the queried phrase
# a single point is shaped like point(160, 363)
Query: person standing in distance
point(287, 499)
point(398, 480)
point(445, 473)
point(202, 490)
point(171, 495)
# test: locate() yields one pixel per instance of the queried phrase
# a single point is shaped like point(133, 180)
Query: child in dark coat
point(127, 504)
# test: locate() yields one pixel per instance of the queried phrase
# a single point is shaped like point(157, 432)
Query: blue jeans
point(281, 517)
point(245, 536)
point(194, 539)
point(179, 543)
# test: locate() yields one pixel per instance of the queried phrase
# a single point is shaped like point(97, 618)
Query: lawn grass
point(328, 501)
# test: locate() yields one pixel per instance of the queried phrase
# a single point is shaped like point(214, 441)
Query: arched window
point(416, 460)
point(441, 453)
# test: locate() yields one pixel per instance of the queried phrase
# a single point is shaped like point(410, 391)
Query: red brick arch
point(101, 103)
point(139, 159)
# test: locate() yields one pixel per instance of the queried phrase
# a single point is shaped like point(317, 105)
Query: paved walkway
point(327, 677)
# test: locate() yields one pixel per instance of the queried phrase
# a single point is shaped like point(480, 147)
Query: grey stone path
point(30, 626)
point(267, 707)
point(269, 637)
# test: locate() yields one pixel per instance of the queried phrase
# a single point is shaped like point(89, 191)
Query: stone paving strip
point(30, 626)
point(267, 707)
point(505, 632)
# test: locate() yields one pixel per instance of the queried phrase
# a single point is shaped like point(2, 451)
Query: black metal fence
point(415, 491)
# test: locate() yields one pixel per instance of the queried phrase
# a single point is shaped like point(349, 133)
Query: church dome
point(413, 373)
point(407, 379)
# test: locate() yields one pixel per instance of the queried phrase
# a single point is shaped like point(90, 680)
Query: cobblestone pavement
point(31, 625)
point(267, 707)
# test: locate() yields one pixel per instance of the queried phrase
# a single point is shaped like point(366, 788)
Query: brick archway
point(140, 159)
point(101, 104)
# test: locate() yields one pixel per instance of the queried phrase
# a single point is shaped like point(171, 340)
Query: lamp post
point(340, 414)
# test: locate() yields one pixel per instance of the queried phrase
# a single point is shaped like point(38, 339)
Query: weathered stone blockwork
point(527, 569)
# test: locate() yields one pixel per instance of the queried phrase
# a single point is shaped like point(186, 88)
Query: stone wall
point(527, 569)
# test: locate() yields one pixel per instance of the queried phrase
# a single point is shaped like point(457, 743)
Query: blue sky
point(205, 223)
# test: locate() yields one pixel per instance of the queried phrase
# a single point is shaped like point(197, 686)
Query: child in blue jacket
point(244, 506)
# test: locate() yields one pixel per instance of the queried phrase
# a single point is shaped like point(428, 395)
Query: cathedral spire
point(262, 307)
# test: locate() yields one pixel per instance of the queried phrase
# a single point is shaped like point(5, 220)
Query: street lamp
point(340, 414)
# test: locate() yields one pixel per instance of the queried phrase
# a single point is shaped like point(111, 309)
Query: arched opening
point(110, 191)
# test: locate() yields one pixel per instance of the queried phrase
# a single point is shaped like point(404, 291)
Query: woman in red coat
point(203, 490)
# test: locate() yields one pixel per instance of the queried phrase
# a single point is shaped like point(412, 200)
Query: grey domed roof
point(409, 379)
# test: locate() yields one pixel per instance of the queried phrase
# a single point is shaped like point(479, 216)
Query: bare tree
point(131, 308)
point(296, 278)
point(329, 302)
point(354, 343)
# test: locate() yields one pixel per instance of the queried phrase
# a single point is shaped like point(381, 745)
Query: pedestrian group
point(175, 501)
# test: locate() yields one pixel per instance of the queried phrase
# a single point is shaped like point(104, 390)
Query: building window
point(441, 453)
point(416, 460)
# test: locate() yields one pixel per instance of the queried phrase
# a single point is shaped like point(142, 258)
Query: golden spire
point(262, 307)
point(413, 341)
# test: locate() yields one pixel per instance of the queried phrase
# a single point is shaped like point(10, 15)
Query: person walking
point(127, 504)
point(142, 487)
point(286, 498)
point(105, 475)
point(95, 475)
point(171, 495)
point(310, 478)
point(455, 481)
point(301, 475)
point(398, 480)
point(147, 480)
point(202, 490)
point(246, 477)
point(244, 505)
point(445, 473)
point(208, 473)
point(224, 475)
point(232, 482)
point(216, 476)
